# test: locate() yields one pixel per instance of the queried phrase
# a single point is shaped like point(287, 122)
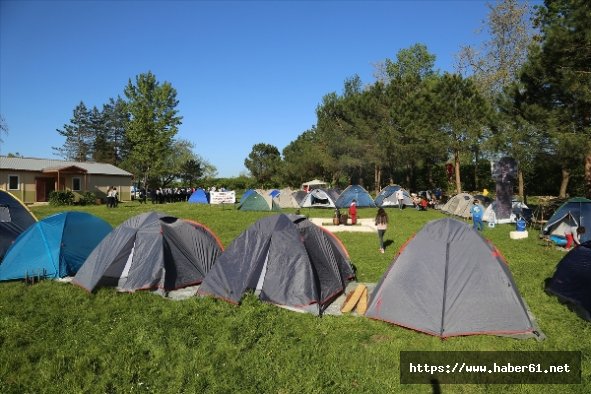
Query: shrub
point(87, 198)
point(57, 198)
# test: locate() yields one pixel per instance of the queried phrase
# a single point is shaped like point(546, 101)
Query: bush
point(58, 198)
point(87, 198)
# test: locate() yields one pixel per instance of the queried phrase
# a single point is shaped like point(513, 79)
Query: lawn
point(55, 337)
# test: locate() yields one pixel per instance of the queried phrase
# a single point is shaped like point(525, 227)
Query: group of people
point(112, 197)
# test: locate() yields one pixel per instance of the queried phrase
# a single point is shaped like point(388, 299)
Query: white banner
point(222, 197)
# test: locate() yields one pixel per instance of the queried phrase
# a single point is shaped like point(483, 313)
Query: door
point(44, 186)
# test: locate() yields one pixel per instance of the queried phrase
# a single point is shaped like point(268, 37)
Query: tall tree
point(558, 79)
point(154, 122)
point(495, 67)
point(78, 133)
point(263, 162)
point(461, 113)
point(116, 118)
point(3, 128)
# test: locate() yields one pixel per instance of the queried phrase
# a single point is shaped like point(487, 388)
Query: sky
point(245, 72)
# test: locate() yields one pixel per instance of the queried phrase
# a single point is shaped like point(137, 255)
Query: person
point(476, 211)
point(110, 203)
point(381, 224)
point(353, 211)
point(115, 200)
point(573, 236)
point(400, 198)
point(423, 204)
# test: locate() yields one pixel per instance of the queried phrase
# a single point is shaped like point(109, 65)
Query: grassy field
point(57, 338)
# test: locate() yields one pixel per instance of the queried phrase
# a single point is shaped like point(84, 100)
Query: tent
point(571, 282)
point(314, 184)
point(148, 251)
point(286, 199)
point(355, 192)
point(15, 218)
point(320, 198)
point(247, 193)
point(258, 202)
point(54, 247)
point(198, 197)
point(517, 209)
point(449, 281)
point(580, 215)
point(387, 197)
point(459, 205)
point(287, 260)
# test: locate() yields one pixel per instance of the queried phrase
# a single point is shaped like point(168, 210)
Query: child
point(382, 225)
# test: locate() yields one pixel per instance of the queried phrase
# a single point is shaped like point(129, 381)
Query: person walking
point(381, 223)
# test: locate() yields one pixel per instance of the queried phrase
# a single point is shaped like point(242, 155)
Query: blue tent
point(54, 247)
point(274, 193)
point(355, 192)
point(574, 212)
point(246, 194)
point(198, 197)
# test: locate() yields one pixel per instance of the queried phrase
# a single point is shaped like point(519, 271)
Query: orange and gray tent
point(449, 281)
point(14, 219)
point(149, 251)
point(286, 260)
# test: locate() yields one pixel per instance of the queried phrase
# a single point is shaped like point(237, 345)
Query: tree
point(460, 113)
point(190, 171)
point(152, 126)
point(497, 63)
point(116, 118)
point(264, 163)
point(557, 78)
point(78, 144)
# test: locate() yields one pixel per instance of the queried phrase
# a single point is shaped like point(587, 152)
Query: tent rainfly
point(15, 218)
point(357, 193)
point(287, 260)
point(54, 247)
point(387, 197)
point(149, 251)
point(449, 281)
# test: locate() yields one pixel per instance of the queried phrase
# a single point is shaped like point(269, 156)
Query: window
point(13, 182)
point(76, 184)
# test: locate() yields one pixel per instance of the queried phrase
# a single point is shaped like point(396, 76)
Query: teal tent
point(54, 247)
point(258, 202)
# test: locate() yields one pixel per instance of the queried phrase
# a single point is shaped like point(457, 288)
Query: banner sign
point(222, 197)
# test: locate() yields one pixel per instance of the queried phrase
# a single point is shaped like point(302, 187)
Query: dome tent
point(149, 251)
point(387, 197)
point(54, 247)
point(449, 281)
point(287, 259)
point(357, 193)
point(15, 218)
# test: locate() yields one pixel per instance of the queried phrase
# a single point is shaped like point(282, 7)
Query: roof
point(34, 164)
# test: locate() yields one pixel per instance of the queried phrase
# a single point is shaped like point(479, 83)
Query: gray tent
point(320, 198)
point(449, 281)
point(288, 259)
point(148, 251)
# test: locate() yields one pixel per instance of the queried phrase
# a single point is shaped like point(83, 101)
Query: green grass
point(57, 338)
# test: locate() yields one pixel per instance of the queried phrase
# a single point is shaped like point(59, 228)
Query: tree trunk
point(521, 184)
point(564, 183)
point(588, 175)
point(377, 178)
point(457, 170)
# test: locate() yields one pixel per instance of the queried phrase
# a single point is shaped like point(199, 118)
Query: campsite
point(61, 336)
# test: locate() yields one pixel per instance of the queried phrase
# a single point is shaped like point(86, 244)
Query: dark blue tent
point(198, 197)
point(571, 282)
point(14, 219)
point(355, 192)
point(54, 247)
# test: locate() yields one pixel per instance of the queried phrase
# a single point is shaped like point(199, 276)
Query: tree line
point(137, 134)
point(523, 95)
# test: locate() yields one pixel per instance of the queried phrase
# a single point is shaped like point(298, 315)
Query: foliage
point(78, 143)
point(264, 163)
point(58, 338)
point(61, 198)
point(87, 198)
point(153, 123)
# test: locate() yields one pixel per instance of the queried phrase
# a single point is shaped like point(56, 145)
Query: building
point(31, 179)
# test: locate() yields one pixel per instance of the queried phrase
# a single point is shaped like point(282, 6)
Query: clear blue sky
point(245, 71)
